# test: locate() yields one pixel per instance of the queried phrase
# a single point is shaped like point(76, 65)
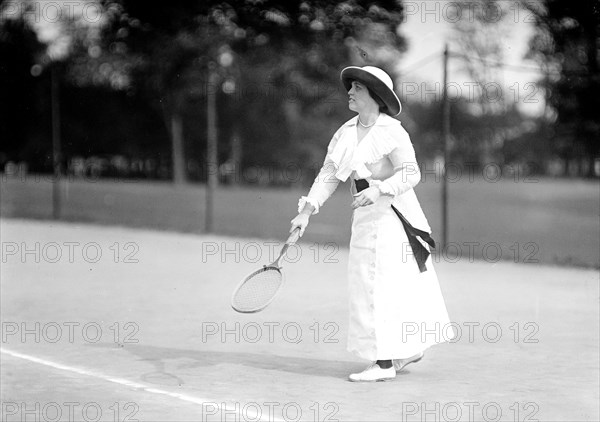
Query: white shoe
point(374, 373)
point(399, 364)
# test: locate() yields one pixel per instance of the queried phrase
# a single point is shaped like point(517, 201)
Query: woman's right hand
point(300, 221)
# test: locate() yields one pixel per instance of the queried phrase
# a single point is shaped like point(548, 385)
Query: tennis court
point(112, 323)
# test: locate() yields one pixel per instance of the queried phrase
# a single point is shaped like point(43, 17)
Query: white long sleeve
point(325, 183)
point(406, 170)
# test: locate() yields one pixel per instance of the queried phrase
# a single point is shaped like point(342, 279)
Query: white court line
point(207, 405)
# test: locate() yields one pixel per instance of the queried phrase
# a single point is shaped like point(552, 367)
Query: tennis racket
point(259, 289)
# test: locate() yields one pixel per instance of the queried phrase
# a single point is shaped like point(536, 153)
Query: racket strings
point(258, 290)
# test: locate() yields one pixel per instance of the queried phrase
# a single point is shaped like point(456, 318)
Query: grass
point(545, 221)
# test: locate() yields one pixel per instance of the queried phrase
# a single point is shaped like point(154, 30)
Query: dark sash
point(420, 252)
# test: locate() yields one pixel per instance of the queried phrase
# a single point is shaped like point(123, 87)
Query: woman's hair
point(382, 107)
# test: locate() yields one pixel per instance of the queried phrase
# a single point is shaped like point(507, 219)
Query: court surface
point(112, 323)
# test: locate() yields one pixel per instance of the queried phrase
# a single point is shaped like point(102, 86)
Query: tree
point(277, 66)
point(478, 38)
point(36, 37)
point(478, 34)
point(286, 58)
point(566, 46)
point(18, 50)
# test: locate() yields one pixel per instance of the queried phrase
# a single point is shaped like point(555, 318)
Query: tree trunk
point(178, 153)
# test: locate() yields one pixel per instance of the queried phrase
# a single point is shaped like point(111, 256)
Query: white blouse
point(385, 157)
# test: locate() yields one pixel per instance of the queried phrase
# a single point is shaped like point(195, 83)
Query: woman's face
point(359, 98)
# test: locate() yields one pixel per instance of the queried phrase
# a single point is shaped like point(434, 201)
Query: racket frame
point(269, 267)
point(273, 266)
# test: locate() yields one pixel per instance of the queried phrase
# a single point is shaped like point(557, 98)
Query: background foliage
point(135, 77)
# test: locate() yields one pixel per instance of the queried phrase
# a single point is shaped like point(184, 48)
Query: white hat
point(377, 81)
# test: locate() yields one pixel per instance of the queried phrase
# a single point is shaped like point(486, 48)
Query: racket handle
point(293, 237)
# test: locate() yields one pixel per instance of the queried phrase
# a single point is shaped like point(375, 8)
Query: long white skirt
point(395, 310)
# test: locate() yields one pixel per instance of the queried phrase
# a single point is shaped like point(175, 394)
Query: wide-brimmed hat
point(377, 81)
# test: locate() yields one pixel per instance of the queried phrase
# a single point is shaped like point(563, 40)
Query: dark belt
point(420, 252)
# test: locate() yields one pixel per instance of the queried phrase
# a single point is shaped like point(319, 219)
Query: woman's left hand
point(366, 197)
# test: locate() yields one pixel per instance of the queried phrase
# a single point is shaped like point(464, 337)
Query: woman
point(396, 304)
